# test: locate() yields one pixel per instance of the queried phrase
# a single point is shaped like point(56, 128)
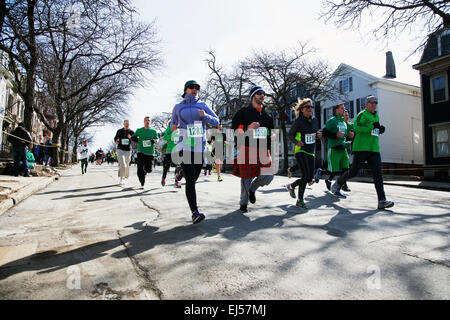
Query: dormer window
point(346, 85)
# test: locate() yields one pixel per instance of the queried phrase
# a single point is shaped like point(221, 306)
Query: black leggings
point(84, 165)
point(306, 164)
point(191, 173)
point(166, 164)
point(144, 164)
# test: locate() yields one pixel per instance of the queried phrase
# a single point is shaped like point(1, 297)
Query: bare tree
point(283, 71)
point(224, 90)
point(397, 16)
point(160, 121)
point(110, 44)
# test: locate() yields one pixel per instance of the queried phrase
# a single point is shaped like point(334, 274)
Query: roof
point(437, 47)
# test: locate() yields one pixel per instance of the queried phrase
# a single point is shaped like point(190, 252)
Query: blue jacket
point(185, 114)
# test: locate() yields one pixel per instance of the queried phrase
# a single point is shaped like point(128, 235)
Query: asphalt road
point(86, 237)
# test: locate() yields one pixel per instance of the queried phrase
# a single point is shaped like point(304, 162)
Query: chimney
point(390, 66)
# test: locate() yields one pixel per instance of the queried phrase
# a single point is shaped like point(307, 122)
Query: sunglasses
point(260, 93)
point(194, 86)
point(309, 107)
point(373, 102)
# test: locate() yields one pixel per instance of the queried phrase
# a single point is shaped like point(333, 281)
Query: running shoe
point(219, 179)
point(311, 183)
point(384, 204)
point(328, 183)
point(301, 204)
point(243, 209)
point(177, 184)
point(120, 181)
point(339, 194)
point(289, 173)
point(290, 190)
point(346, 188)
point(197, 217)
point(318, 175)
point(163, 182)
point(334, 187)
point(251, 196)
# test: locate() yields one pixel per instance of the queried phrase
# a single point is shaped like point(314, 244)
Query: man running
point(218, 151)
point(190, 117)
point(146, 138)
point(123, 142)
point(170, 138)
point(253, 125)
point(304, 132)
point(83, 150)
point(366, 147)
point(336, 131)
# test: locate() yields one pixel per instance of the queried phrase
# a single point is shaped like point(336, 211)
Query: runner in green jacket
point(366, 147)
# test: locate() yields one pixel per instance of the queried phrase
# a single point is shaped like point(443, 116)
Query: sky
point(233, 29)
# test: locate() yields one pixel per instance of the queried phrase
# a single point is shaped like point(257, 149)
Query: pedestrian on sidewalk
point(48, 151)
point(83, 150)
point(304, 133)
point(253, 128)
point(190, 117)
point(20, 140)
point(366, 148)
point(146, 138)
point(218, 142)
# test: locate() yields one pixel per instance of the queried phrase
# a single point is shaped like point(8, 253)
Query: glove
point(382, 129)
point(376, 125)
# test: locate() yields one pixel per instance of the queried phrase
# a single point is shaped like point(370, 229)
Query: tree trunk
point(55, 140)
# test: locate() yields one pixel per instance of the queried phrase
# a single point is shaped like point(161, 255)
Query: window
point(439, 90)
point(360, 104)
point(440, 138)
point(346, 85)
point(327, 114)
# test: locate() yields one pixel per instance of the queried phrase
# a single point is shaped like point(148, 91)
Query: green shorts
point(337, 160)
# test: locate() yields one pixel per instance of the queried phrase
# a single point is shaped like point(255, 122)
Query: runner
point(170, 138)
point(336, 132)
point(99, 156)
point(218, 151)
point(366, 147)
point(83, 150)
point(208, 159)
point(304, 132)
point(146, 138)
point(190, 117)
point(248, 165)
point(123, 143)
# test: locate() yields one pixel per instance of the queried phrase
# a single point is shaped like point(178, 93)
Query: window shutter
point(324, 116)
point(350, 84)
point(352, 110)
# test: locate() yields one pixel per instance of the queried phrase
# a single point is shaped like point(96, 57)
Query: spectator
point(48, 152)
point(20, 140)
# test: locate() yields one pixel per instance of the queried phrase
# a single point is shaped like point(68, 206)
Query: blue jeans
point(20, 161)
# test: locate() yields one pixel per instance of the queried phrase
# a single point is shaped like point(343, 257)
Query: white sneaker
point(120, 181)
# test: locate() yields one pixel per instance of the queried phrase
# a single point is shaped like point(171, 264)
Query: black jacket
point(123, 134)
point(245, 116)
point(20, 132)
point(305, 127)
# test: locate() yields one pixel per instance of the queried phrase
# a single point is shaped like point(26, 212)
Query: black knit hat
point(187, 84)
point(254, 90)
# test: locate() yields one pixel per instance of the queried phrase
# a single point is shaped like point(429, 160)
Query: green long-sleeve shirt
point(145, 137)
point(366, 136)
point(335, 125)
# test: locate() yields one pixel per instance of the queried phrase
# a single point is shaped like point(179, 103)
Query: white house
point(399, 109)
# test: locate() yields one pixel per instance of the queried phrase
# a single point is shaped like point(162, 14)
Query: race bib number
point(147, 143)
point(376, 132)
point(342, 128)
point(125, 142)
point(196, 130)
point(260, 133)
point(310, 138)
point(176, 136)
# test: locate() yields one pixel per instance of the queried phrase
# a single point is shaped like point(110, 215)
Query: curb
point(25, 193)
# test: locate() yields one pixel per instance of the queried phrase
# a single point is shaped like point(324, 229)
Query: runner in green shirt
point(366, 147)
point(146, 138)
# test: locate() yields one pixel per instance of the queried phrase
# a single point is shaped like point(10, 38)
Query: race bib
point(196, 130)
point(342, 128)
point(310, 138)
point(376, 132)
point(125, 142)
point(176, 136)
point(260, 133)
point(147, 143)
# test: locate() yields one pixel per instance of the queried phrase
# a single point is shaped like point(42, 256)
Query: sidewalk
point(15, 189)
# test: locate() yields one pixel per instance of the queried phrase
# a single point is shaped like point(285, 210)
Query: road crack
point(142, 273)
